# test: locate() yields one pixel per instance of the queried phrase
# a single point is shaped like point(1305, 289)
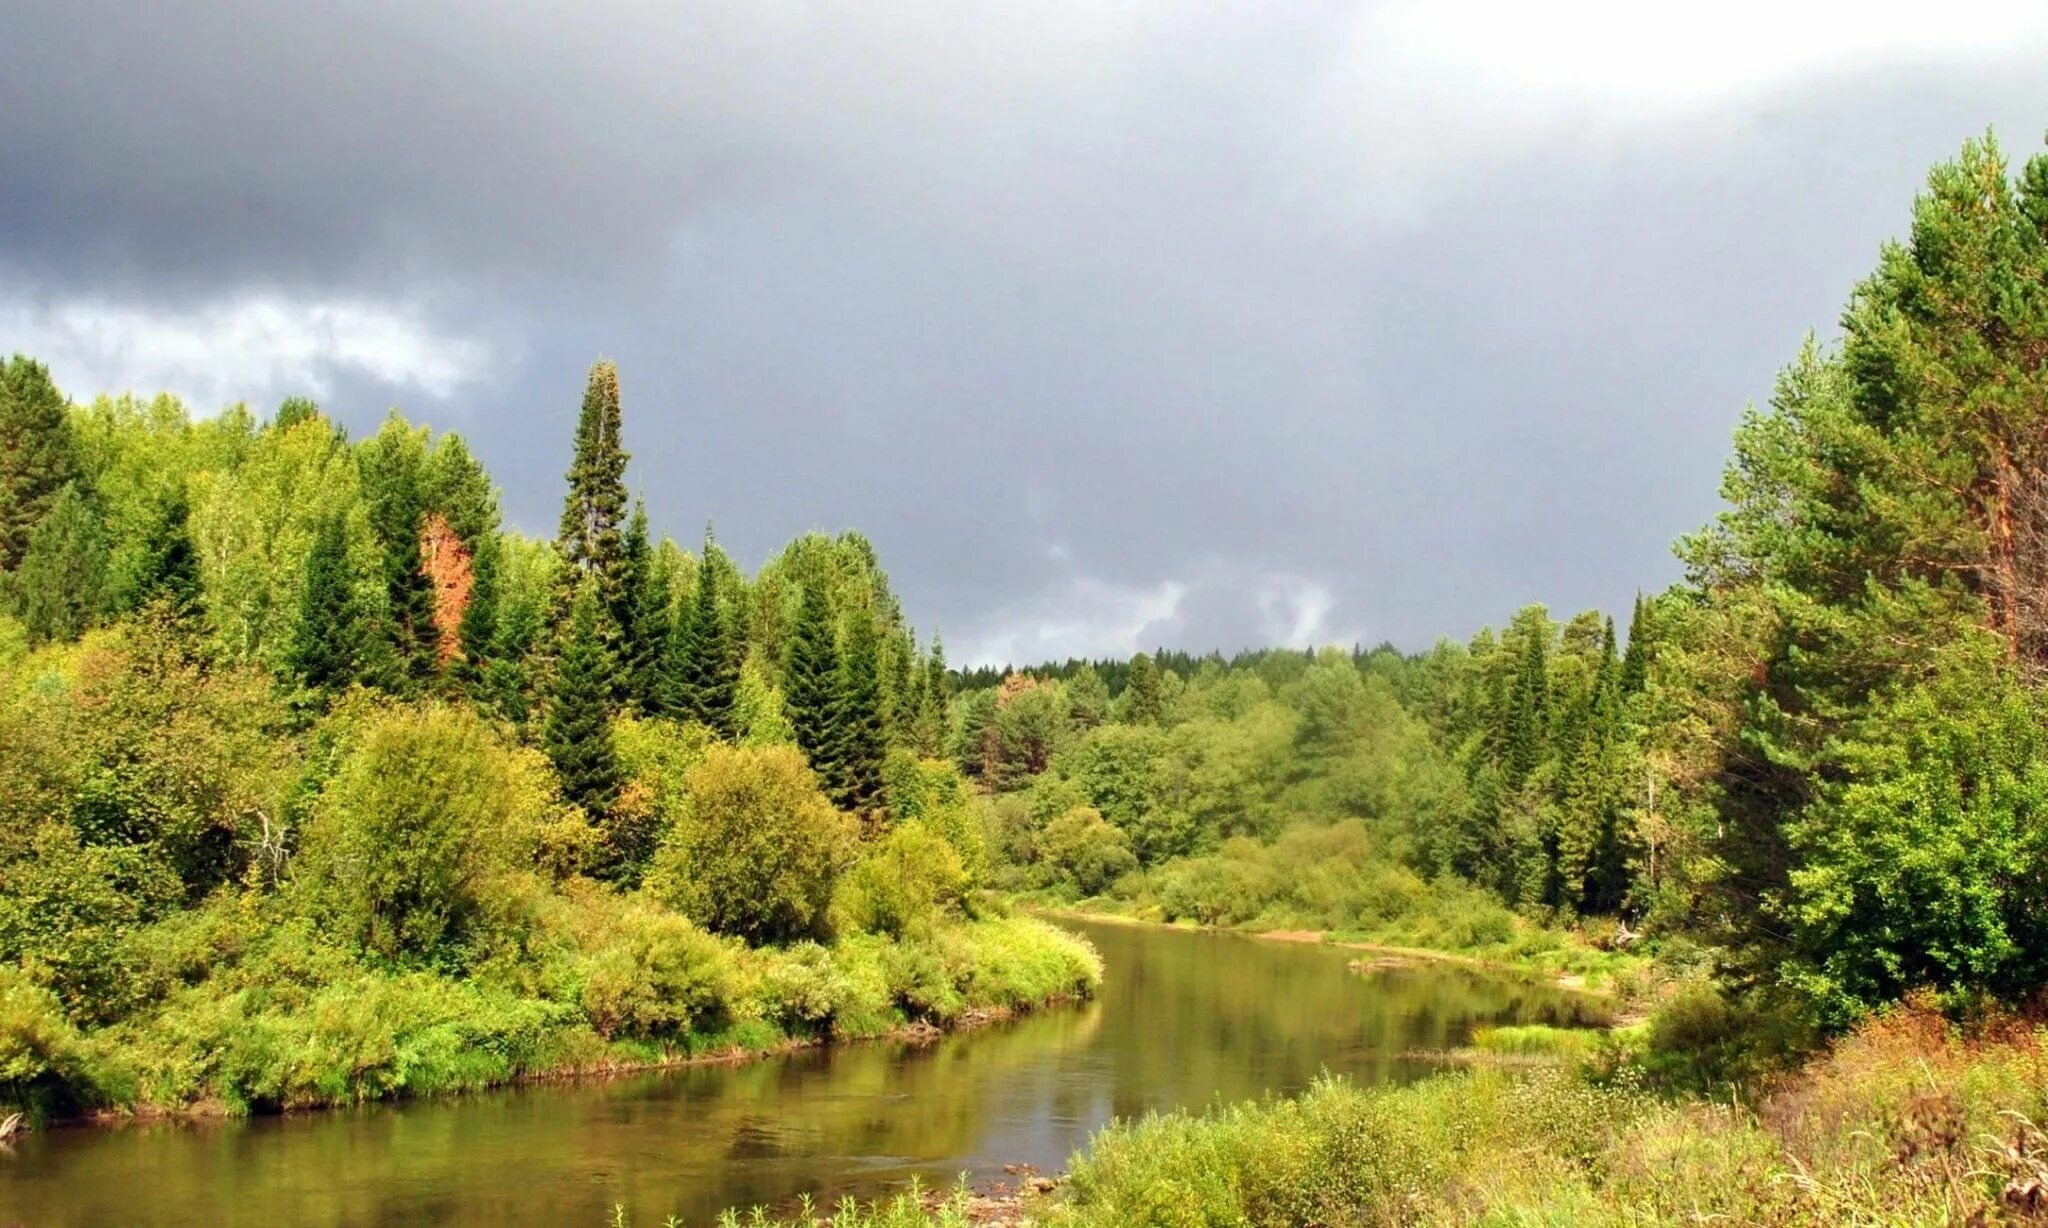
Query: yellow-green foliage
point(1907, 1122)
point(902, 886)
point(422, 839)
point(757, 849)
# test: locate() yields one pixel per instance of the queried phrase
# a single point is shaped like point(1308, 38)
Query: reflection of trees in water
point(1185, 1019)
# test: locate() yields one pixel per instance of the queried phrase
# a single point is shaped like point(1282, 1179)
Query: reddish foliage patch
point(444, 557)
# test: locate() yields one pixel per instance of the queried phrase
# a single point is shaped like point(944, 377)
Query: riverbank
point(1909, 1120)
point(1564, 958)
point(232, 1046)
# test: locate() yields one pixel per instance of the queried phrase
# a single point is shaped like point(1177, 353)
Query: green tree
point(1144, 697)
point(863, 740)
point(1087, 698)
point(38, 455)
point(703, 669)
point(758, 849)
point(327, 642)
point(591, 540)
point(934, 703)
point(1525, 743)
point(415, 842)
point(62, 580)
point(578, 735)
point(812, 686)
point(645, 619)
point(393, 467)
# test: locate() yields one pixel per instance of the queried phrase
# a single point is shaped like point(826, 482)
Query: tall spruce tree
point(38, 454)
point(591, 538)
point(327, 644)
point(577, 734)
point(1144, 698)
point(1528, 714)
point(811, 685)
point(642, 617)
point(62, 580)
point(935, 701)
point(863, 736)
point(705, 673)
point(1635, 661)
point(393, 466)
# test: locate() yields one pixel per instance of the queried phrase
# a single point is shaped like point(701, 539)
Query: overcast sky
point(1113, 324)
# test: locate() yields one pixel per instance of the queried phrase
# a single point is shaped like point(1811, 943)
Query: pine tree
point(171, 571)
point(1144, 699)
point(1528, 712)
point(934, 702)
point(480, 616)
point(705, 674)
point(1087, 698)
point(863, 741)
point(590, 540)
point(62, 579)
point(327, 645)
point(292, 411)
point(811, 685)
point(1635, 663)
point(972, 749)
point(393, 469)
point(642, 617)
point(577, 735)
point(38, 455)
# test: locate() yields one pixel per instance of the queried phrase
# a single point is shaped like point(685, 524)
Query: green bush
point(1085, 851)
point(417, 843)
point(757, 849)
point(901, 887)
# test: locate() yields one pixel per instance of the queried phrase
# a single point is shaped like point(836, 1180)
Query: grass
point(1909, 1121)
point(254, 1019)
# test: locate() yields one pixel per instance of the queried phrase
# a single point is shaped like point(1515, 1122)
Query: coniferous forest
point(318, 784)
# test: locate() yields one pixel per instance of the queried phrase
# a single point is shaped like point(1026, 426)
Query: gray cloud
point(1326, 320)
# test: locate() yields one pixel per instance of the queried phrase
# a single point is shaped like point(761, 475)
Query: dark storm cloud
point(1111, 325)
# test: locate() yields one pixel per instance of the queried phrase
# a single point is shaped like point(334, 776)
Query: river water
point(1184, 1020)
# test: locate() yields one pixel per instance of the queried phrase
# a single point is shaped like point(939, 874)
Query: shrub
point(41, 1063)
point(757, 849)
point(1086, 850)
point(67, 910)
point(418, 837)
point(901, 887)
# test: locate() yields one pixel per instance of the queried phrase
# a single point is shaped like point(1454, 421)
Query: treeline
point(296, 735)
point(1819, 759)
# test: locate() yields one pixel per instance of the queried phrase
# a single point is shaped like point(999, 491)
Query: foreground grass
point(1907, 1122)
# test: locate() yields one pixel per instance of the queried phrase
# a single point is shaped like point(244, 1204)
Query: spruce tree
point(863, 740)
point(1635, 662)
point(1087, 698)
point(591, 540)
point(705, 677)
point(934, 702)
point(170, 573)
point(578, 735)
point(1144, 699)
point(292, 411)
point(393, 469)
point(327, 646)
point(642, 618)
point(811, 685)
point(62, 580)
point(1528, 713)
point(38, 455)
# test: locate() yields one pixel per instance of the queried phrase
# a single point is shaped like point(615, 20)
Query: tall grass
point(1910, 1121)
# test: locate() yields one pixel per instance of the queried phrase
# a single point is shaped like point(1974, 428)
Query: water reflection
point(1185, 1019)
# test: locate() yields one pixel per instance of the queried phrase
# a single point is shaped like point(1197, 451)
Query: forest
point(318, 784)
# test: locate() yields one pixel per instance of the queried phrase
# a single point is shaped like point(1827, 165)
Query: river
point(1184, 1020)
